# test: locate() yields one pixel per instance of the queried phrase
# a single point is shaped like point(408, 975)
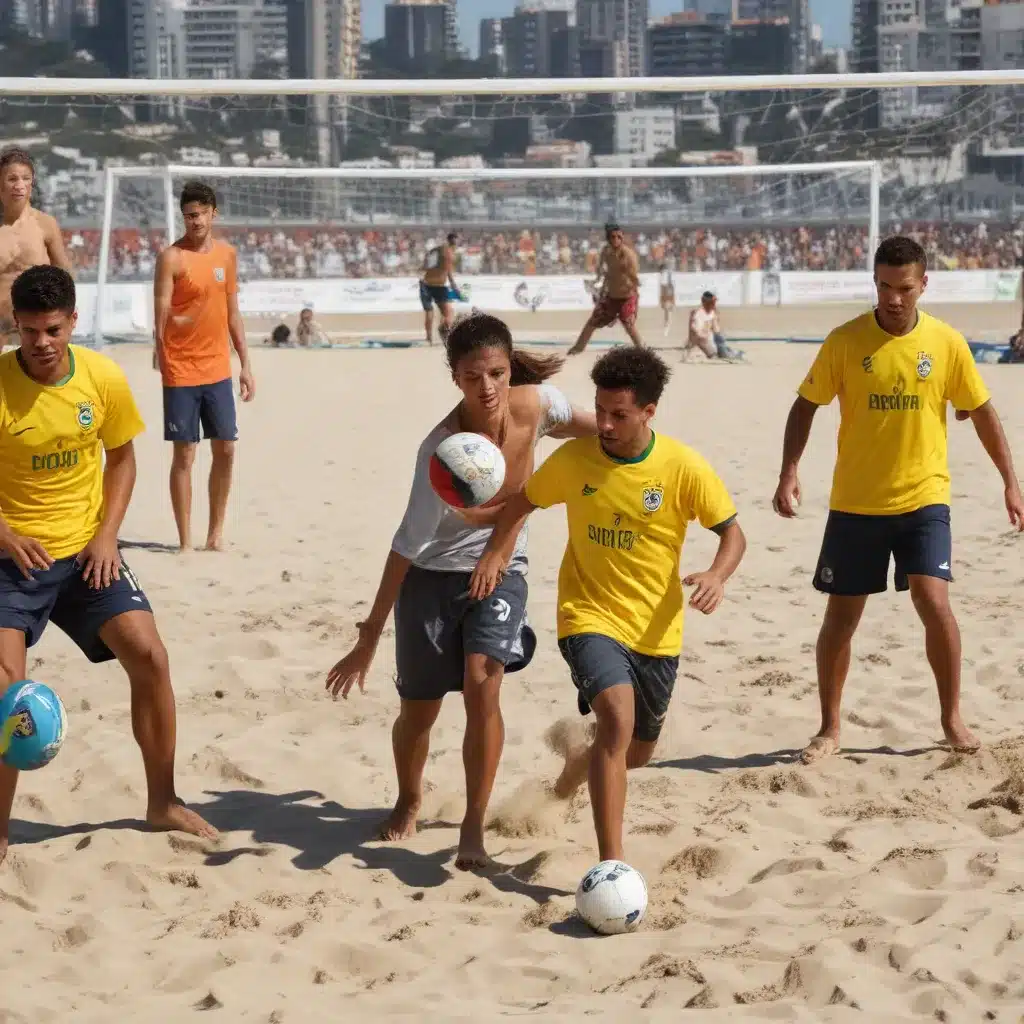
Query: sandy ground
point(883, 885)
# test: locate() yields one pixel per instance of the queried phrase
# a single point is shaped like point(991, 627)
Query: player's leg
point(447, 310)
point(428, 312)
point(603, 675)
point(117, 622)
point(655, 679)
point(853, 564)
point(25, 608)
point(181, 427)
point(599, 318)
point(494, 634)
point(627, 317)
point(12, 668)
point(425, 671)
point(923, 552)
point(218, 418)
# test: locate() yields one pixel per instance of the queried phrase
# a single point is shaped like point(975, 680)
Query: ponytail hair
point(533, 368)
point(479, 330)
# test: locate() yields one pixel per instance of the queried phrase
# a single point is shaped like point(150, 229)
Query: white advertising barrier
point(806, 288)
point(128, 307)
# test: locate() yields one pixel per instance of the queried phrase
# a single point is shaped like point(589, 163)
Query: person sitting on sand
point(705, 332)
point(444, 641)
point(893, 370)
point(308, 332)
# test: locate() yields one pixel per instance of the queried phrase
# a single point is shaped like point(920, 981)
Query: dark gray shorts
point(437, 625)
point(598, 663)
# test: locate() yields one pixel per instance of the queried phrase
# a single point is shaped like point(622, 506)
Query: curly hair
point(11, 155)
point(640, 370)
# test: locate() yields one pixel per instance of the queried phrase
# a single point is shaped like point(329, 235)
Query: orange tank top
point(196, 347)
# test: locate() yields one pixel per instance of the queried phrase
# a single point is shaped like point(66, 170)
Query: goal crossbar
point(206, 87)
point(169, 172)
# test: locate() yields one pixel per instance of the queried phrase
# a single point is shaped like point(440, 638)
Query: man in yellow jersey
point(629, 496)
point(893, 370)
point(196, 313)
point(67, 423)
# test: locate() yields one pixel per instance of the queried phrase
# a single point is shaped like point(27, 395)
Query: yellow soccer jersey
point(892, 403)
point(52, 440)
point(627, 523)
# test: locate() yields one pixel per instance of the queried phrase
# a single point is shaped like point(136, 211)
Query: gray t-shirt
point(434, 536)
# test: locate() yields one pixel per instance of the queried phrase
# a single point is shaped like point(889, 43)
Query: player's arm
point(633, 269)
point(559, 418)
point(819, 387)
point(449, 267)
point(968, 393)
point(546, 487)
point(491, 566)
point(236, 329)
point(100, 560)
point(707, 496)
point(54, 240)
point(163, 295)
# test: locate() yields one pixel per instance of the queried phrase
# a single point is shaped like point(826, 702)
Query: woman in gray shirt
point(444, 642)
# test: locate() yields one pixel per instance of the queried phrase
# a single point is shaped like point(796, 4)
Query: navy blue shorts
point(431, 293)
point(437, 625)
point(60, 595)
point(209, 405)
point(597, 663)
point(855, 551)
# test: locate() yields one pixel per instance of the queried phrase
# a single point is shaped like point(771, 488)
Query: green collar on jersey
point(631, 462)
point(57, 383)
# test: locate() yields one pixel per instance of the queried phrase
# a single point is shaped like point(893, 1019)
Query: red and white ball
point(467, 470)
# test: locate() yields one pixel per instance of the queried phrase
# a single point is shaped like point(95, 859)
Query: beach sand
point(887, 880)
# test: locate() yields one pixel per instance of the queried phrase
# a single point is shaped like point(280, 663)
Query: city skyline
point(832, 15)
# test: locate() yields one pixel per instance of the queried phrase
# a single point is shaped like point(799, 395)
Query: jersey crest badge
point(924, 365)
point(85, 415)
point(218, 273)
point(653, 498)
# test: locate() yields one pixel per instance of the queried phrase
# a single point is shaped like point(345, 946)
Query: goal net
point(765, 192)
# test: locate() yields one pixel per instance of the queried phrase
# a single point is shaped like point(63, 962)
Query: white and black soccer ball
point(612, 898)
point(467, 470)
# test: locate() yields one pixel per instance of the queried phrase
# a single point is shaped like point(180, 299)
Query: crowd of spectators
point(307, 252)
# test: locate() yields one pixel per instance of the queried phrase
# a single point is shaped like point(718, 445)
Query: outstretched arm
point(582, 424)
point(491, 566)
point(990, 432)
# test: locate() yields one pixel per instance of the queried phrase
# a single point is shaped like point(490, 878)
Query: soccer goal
point(350, 239)
point(768, 190)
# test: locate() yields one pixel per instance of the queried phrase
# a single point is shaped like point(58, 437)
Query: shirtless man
point(27, 237)
point(438, 276)
point(618, 288)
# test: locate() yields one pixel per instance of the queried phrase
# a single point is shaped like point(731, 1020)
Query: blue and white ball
point(33, 724)
point(612, 898)
point(467, 470)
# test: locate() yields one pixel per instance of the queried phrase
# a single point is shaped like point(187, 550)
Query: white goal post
point(172, 174)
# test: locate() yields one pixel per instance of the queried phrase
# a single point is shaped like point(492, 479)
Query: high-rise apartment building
point(324, 41)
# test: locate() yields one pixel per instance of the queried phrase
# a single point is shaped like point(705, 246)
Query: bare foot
point(400, 823)
point(819, 748)
point(184, 549)
point(176, 817)
point(472, 856)
point(960, 738)
point(214, 544)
